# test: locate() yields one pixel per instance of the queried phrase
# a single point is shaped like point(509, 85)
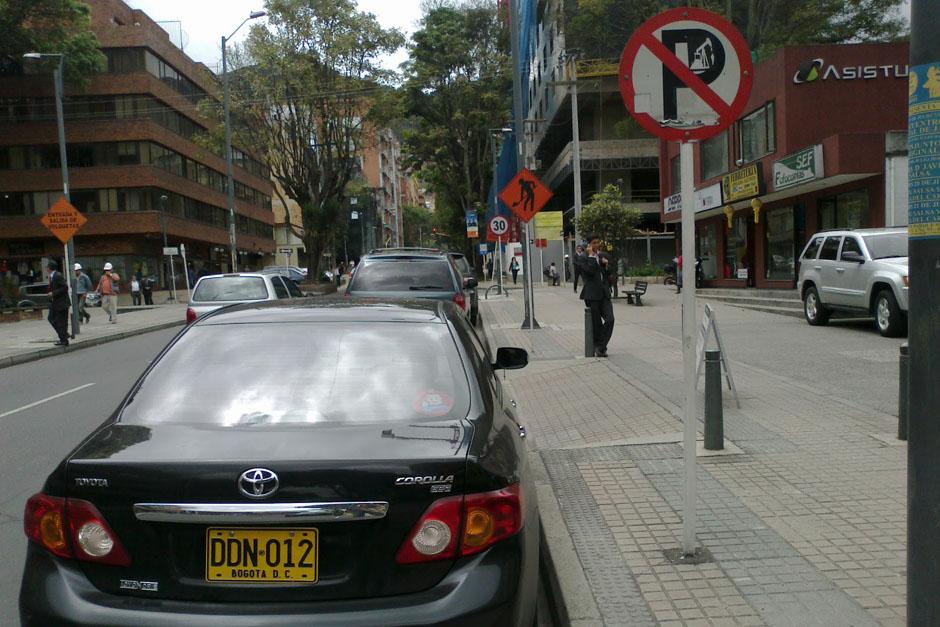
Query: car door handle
point(840, 269)
point(817, 268)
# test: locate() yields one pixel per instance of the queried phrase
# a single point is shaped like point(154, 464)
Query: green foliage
point(647, 269)
point(608, 218)
point(418, 222)
point(600, 28)
point(302, 89)
point(457, 87)
point(50, 26)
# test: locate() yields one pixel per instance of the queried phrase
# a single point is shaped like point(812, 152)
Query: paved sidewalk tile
point(806, 527)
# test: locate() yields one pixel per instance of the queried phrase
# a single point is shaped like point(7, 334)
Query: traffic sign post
point(63, 220)
point(526, 195)
point(686, 75)
point(496, 229)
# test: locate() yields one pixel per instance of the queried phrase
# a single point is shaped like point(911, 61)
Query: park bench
point(639, 288)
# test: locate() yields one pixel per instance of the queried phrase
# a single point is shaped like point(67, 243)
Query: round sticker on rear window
point(433, 403)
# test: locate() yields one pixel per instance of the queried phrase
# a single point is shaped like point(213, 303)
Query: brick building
point(822, 144)
point(132, 160)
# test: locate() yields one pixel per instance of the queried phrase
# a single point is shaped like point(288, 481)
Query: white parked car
point(218, 290)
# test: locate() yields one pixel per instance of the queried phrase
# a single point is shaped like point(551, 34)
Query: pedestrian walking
point(514, 268)
point(82, 287)
point(108, 289)
point(596, 294)
point(578, 254)
point(146, 286)
point(553, 273)
point(59, 303)
point(489, 268)
point(135, 290)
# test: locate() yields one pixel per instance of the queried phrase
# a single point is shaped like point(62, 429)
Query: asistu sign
point(819, 70)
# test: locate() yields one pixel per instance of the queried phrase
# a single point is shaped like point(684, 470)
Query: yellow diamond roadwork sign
point(63, 220)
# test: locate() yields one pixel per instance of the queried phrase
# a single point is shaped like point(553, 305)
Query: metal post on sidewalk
point(923, 463)
point(588, 333)
point(903, 391)
point(714, 412)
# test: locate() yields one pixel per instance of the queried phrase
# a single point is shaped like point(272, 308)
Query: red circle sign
point(499, 225)
point(717, 70)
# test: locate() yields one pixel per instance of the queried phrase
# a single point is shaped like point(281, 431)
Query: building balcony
point(605, 154)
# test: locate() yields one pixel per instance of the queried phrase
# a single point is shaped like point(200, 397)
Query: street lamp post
point(499, 239)
point(63, 159)
point(163, 199)
point(228, 138)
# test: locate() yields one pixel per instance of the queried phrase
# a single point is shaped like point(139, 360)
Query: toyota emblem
point(257, 483)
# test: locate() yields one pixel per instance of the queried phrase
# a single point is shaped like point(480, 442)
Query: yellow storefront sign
point(741, 184)
point(549, 225)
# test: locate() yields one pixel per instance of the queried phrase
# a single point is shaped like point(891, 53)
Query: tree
point(51, 26)
point(302, 92)
point(458, 86)
point(609, 219)
point(600, 28)
point(418, 222)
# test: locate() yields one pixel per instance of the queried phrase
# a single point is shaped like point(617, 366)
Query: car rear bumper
point(496, 587)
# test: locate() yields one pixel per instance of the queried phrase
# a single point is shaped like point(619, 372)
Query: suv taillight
point(72, 528)
point(190, 315)
point(460, 301)
point(463, 525)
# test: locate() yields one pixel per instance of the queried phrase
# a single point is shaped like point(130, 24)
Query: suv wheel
point(816, 313)
point(889, 319)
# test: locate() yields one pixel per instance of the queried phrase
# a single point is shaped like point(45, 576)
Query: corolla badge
point(258, 483)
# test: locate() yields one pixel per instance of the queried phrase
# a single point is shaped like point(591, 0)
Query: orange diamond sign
point(63, 220)
point(525, 195)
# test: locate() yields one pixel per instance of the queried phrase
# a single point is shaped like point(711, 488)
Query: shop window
point(845, 211)
point(707, 245)
point(756, 134)
point(714, 159)
point(780, 264)
point(735, 247)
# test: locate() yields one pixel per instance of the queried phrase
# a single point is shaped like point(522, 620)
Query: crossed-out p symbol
point(705, 56)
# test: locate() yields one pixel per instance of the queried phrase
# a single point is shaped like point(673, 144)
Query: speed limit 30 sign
point(497, 228)
point(686, 74)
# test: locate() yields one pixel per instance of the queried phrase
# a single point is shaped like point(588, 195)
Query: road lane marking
point(45, 400)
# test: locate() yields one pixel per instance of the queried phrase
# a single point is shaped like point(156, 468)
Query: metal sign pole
point(189, 296)
point(689, 410)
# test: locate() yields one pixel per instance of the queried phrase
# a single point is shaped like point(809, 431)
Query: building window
point(124, 60)
point(779, 245)
point(714, 159)
point(845, 211)
point(675, 182)
point(756, 134)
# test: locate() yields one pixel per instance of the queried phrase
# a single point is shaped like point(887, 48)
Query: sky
point(205, 22)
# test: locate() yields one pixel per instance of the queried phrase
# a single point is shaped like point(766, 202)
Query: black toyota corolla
point(297, 464)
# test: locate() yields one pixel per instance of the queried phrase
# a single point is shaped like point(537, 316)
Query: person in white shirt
point(135, 290)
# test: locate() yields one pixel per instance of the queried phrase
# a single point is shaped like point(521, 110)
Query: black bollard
point(903, 398)
point(714, 412)
point(588, 333)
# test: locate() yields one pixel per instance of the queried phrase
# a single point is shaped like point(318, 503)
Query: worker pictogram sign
point(63, 220)
point(686, 74)
point(497, 229)
point(525, 195)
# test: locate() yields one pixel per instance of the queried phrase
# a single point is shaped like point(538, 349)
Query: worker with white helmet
point(108, 287)
point(82, 287)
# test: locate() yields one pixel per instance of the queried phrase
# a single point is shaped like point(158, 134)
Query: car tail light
point(435, 535)
point(190, 315)
point(460, 300)
point(490, 517)
point(480, 520)
point(73, 528)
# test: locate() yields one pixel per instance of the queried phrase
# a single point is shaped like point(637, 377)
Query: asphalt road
point(92, 382)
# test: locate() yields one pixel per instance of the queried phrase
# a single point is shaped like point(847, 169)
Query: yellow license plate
point(262, 555)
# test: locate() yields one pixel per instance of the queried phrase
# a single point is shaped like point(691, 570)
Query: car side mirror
point(853, 257)
point(508, 358)
point(470, 282)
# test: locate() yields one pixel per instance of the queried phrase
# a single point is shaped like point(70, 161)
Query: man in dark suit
point(592, 267)
point(59, 305)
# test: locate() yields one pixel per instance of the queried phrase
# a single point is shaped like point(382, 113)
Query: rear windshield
point(403, 275)
point(225, 288)
point(886, 245)
point(253, 375)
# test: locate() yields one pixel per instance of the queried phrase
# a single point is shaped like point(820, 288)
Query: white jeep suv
point(864, 270)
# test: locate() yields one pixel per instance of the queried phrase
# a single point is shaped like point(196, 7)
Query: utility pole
point(529, 322)
point(923, 463)
point(575, 151)
point(163, 199)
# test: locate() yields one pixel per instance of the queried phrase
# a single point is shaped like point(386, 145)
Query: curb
point(36, 355)
point(568, 589)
